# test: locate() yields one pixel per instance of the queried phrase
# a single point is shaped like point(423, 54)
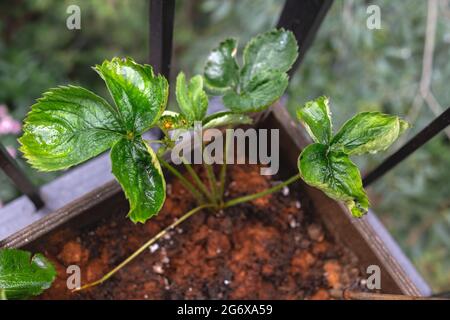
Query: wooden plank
point(20, 212)
point(90, 207)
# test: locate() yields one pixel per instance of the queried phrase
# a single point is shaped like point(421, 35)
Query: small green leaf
point(67, 126)
point(140, 96)
point(198, 97)
point(274, 50)
point(191, 97)
point(335, 174)
point(263, 78)
point(261, 92)
point(138, 171)
point(23, 276)
point(316, 117)
point(225, 118)
point(368, 132)
point(221, 69)
point(171, 120)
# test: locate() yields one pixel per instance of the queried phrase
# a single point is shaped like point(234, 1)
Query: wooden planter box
point(366, 237)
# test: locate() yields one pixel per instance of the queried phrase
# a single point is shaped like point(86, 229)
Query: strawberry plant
point(326, 163)
point(70, 125)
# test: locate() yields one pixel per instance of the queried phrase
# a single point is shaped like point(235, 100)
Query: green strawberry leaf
point(67, 126)
point(368, 132)
point(225, 118)
point(335, 174)
point(23, 276)
point(221, 69)
point(316, 117)
point(260, 93)
point(275, 50)
point(191, 97)
point(139, 95)
point(263, 78)
point(138, 171)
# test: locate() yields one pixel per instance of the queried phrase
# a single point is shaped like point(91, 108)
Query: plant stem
point(185, 182)
point(211, 176)
point(212, 180)
point(250, 197)
point(223, 169)
point(145, 246)
point(197, 180)
point(222, 179)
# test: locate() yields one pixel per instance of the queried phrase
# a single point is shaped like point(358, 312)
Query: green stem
point(212, 180)
point(145, 246)
point(210, 174)
point(197, 179)
point(222, 179)
point(185, 182)
point(251, 197)
point(223, 169)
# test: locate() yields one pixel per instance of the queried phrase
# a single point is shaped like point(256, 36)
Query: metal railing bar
point(303, 18)
point(162, 13)
point(430, 131)
point(18, 177)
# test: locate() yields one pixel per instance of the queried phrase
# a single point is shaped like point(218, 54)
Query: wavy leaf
point(368, 132)
point(316, 117)
point(260, 93)
point(275, 50)
point(221, 69)
point(335, 174)
point(138, 171)
point(67, 126)
point(263, 78)
point(191, 97)
point(140, 96)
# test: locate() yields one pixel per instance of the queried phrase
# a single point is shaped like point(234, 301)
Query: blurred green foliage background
point(359, 69)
